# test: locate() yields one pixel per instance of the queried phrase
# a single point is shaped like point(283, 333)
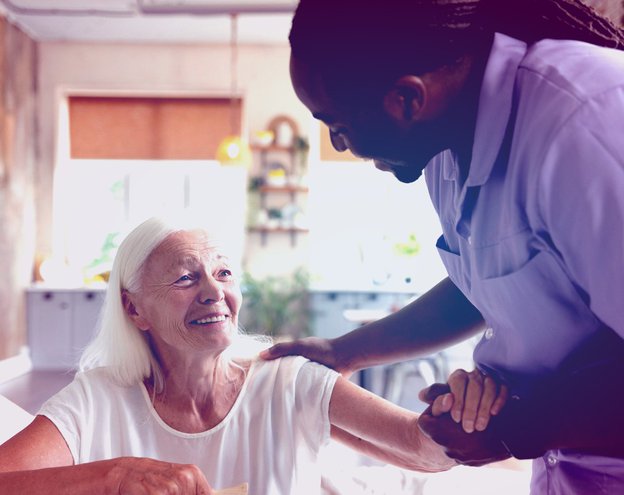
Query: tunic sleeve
point(581, 203)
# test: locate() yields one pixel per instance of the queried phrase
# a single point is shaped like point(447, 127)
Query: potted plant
point(277, 306)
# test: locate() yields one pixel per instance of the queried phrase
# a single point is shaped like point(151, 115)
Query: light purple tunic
point(535, 235)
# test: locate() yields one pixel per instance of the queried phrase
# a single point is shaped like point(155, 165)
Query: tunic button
point(489, 333)
point(469, 240)
point(552, 460)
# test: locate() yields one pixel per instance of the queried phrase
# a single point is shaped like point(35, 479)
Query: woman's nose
point(211, 291)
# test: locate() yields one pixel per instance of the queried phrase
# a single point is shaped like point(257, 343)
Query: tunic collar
point(495, 102)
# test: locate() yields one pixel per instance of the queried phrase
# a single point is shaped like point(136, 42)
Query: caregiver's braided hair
point(532, 20)
point(375, 40)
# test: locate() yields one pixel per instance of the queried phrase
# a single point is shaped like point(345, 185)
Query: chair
point(430, 369)
point(13, 419)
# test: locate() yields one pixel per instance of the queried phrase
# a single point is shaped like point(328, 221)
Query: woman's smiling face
point(189, 297)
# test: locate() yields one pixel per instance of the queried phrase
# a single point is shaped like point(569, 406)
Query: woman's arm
point(39, 445)
point(38, 461)
point(375, 427)
point(441, 317)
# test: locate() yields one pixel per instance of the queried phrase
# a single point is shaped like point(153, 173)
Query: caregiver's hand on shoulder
point(322, 351)
point(472, 398)
point(144, 476)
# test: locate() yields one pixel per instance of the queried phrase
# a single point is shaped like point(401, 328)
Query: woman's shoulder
point(88, 390)
point(101, 376)
point(289, 382)
point(283, 365)
point(289, 370)
point(96, 382)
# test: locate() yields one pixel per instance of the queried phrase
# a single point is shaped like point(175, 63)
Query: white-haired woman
point(165, 405)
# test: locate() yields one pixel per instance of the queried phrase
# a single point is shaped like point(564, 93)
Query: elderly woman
point(167, 402)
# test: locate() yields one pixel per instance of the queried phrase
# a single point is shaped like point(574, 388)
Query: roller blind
point(150, 128)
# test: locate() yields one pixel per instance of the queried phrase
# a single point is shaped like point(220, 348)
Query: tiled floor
point(31, 390)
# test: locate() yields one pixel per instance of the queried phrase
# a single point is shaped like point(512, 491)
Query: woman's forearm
point(378, 428)
point(90, 478)
point(440, 318)
point(110, 477)
point(423, 455)
point(38, 461)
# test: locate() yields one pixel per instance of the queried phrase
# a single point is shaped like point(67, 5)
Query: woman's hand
point(472, 398)
point(143, 476)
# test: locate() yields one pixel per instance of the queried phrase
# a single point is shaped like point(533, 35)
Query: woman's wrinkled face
point(189, 298)
point(368, 132)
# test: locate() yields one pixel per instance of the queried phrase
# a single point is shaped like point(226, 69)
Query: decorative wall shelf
point(292, 231)
point(279, 181)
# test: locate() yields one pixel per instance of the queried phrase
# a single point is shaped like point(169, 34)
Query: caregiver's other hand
point(144, 476)
point(322, 351)
point(472, 398)
point(471, 449)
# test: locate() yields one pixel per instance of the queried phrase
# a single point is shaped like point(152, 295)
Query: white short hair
point(119, 345)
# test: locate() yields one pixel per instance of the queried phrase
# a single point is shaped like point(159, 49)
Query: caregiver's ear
point(131, 310)
point(406, 99)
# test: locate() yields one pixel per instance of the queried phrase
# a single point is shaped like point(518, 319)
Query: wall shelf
point(287, 189)
point(292, 231)
point(278, 183)
point(272, 147)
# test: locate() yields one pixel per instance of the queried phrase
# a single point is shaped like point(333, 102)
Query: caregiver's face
point(369, 133)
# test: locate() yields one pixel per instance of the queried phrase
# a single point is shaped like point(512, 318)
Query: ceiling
point(152, 21)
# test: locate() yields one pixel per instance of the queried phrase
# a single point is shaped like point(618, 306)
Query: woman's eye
point(225, 273)
point(185, 278)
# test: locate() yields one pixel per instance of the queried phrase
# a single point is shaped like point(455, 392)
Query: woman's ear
point(406, 100)
point(131, 310)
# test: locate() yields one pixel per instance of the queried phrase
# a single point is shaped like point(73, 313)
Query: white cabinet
point(61, 322)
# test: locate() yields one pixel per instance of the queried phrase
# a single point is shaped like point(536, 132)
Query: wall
point(67, 68)
point(184, 69)
point(18, 58)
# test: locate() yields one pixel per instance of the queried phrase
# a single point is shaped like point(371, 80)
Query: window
point(365, 227)
point(131, 158)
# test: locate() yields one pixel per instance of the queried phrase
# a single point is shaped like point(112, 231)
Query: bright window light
point(97, 202)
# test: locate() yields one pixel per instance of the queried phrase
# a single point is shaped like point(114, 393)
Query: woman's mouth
point(209, 319)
